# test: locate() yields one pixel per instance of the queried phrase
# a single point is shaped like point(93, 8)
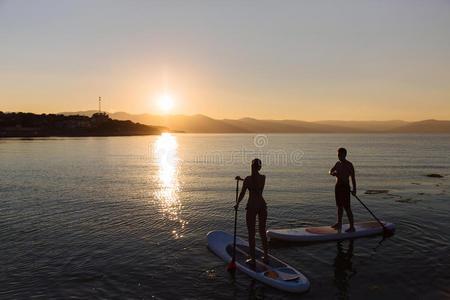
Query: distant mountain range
point(204, 124)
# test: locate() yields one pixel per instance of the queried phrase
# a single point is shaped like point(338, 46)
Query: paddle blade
point(231, 266)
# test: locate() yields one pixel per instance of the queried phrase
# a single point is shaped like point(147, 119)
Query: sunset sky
point(307, 60)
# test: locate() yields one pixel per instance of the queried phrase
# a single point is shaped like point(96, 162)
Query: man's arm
point(332, 171)
point(352, 174)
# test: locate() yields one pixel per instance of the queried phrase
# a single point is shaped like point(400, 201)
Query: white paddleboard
point(327, 233)
point(274, 273)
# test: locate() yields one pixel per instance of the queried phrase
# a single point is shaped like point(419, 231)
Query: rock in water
point(373, 192)
point(435, 175)
point(408, 200)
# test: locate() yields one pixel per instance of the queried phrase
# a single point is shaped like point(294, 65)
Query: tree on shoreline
point(100, 124)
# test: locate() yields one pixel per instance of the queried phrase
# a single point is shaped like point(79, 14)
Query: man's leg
point(338, 197)
point(349, 213)
point(348, 210)
point(340, 212)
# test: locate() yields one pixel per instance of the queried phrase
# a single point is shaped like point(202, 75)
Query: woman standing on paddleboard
point(256, 206)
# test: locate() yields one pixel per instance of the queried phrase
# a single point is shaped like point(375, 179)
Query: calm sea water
point(126, 217)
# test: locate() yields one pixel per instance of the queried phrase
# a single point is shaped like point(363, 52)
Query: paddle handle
point(235, 220)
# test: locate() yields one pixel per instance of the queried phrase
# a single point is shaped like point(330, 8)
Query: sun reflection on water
point(167, 193)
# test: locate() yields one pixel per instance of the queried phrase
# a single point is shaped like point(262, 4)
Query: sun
point(165, 102)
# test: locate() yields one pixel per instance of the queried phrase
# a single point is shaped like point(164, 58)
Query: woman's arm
point(242, 194)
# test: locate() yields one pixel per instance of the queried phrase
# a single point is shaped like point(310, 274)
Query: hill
point(203, 124)
point(369, 126)
point(426, 126)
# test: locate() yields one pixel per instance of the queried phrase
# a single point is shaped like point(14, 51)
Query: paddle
point(385, 229)
point(232, 264)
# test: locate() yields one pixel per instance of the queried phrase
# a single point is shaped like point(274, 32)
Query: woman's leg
point(262, 217)
point(251, 222)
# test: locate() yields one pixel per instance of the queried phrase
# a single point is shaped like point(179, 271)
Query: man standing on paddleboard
point(343, 169)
